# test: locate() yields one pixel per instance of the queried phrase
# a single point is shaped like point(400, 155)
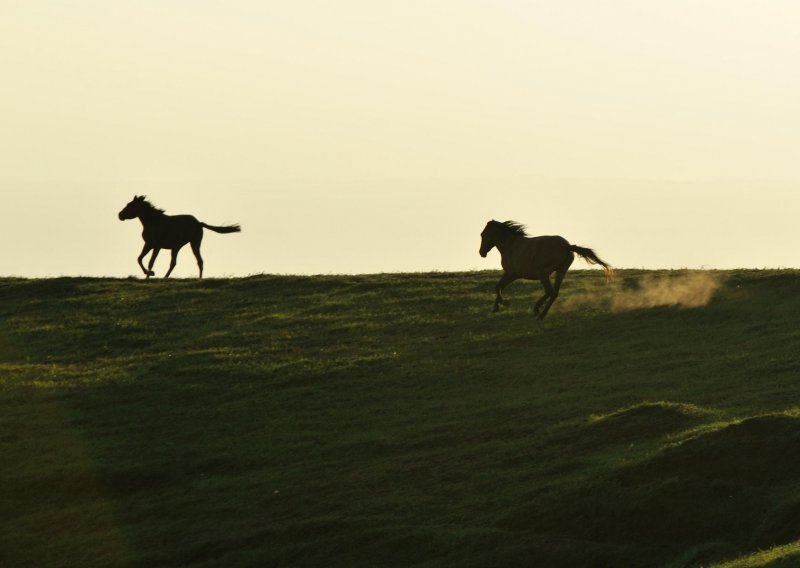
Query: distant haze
point(362, 136)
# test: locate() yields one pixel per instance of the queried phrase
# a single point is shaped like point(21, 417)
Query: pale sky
point(379, 136)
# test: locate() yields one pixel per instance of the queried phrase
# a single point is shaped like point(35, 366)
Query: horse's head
point(499, 234)
point(133, 209)
point(487, 239)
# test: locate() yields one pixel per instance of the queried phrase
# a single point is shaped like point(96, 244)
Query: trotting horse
point(533, 258)
point(168, 232)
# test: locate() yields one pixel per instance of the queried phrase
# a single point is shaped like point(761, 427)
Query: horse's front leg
point(147, 248)
point(152, 262)
point(505, 280)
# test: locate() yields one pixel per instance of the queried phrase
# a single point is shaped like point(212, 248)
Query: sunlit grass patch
point(783, 556)
point(354, 419)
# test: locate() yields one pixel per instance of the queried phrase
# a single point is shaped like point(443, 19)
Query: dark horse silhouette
point(533, 258)
point(168, 232)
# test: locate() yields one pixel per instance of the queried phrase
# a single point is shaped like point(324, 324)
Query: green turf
point(393, 420)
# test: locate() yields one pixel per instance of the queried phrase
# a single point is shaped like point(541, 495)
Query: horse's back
point(553, 241)
point(173, 231)
point(537, 257)
point(183, 219)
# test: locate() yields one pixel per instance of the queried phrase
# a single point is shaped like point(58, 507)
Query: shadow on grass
point(720, 492)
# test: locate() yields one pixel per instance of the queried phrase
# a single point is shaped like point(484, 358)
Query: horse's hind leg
point(505, 280)
point(173, 261)
point(560, 273)
point(196, 251)
point(548, 292)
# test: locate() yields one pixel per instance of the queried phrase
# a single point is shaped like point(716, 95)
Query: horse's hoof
point(496, 309)
point(150, 273)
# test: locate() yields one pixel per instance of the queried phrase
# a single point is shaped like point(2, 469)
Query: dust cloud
point(691, 290)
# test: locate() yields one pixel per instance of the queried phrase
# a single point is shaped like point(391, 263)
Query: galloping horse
point(168, 232)
point(533, 258)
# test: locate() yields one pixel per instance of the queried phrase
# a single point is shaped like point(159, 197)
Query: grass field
point(392, 420)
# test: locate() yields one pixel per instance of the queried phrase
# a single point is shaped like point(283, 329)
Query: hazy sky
point(367, 136)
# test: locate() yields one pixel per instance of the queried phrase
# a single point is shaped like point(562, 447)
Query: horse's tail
point(226, 229)
point(589, 256)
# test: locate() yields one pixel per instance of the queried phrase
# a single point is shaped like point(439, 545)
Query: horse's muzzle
point(483, 254)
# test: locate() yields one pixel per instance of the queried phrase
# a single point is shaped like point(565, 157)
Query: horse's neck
point(150, 218)
point(504, 243)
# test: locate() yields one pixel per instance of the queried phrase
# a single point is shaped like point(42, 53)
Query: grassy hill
point(392, 420)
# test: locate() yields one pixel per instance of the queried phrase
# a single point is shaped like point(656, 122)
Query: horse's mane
point(151, 206)
point(513, 227)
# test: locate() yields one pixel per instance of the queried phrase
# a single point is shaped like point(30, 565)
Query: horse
point(533, 258)
point(162, 231)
